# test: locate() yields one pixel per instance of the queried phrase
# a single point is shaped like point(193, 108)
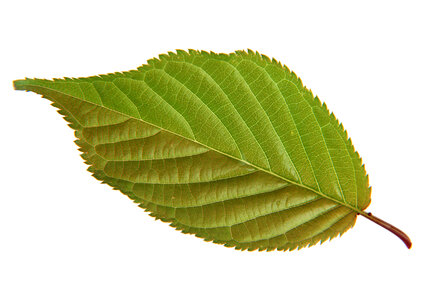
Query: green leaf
point(231, 148)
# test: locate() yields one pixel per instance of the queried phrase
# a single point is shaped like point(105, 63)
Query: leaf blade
point(76, 97)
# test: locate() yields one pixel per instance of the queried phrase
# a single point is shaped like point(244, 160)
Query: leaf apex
point(21, 84)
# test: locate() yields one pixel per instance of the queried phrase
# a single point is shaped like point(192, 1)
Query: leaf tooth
point(225, 55)
point(152, 61)
point(292, 248)
point(349, 141)
point(130, 72)
point(359, 159)
point(83, 149)
point(205, 53)
point(80, 149)
point(325, 239)
point(193, 52)
point(163, 56)
point(323, 104)
point(104, 76)
point(286, 68)
point(238, 53)
point(367, 177)
point(181, 52)
point(266, 58)
point(341, 126)
point(303, 246)
point(145, 67)
point(171, 54)
point(228, 245)
point(344, 230)
point(306, 89)
point(160, 59)
point(294, 76)
point(277, 62)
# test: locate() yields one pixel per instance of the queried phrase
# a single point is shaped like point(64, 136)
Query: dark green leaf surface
point(232, 148)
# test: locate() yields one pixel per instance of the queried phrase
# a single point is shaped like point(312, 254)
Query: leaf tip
point(20, 84)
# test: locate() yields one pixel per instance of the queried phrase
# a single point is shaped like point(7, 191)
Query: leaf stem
point(389, 227)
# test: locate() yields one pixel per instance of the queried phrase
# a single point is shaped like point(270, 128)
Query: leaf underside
point(231, 148)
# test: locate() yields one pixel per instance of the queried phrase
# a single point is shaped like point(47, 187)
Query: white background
point(63, 235)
